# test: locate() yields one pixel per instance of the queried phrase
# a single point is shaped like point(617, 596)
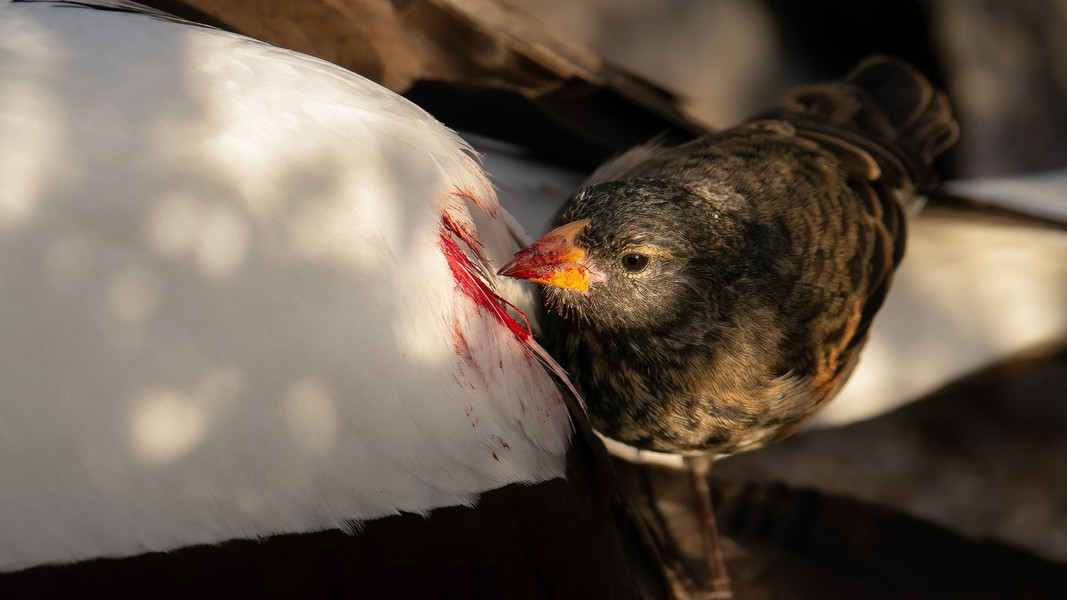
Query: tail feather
point(885, 113)
point(918, 113)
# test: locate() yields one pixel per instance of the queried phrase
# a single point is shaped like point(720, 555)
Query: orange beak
point(553, 260)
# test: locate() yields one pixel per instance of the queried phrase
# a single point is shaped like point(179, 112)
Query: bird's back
point(883, 125)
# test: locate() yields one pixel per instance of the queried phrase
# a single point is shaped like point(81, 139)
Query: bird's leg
point(718, 581)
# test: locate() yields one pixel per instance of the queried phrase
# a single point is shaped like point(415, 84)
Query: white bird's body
point(239, 296)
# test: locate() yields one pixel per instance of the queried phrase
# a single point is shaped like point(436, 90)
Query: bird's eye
point(634, 262)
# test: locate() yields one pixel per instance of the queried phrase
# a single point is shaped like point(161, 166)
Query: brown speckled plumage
point(768, 249)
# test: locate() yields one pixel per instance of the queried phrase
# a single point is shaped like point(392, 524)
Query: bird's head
point(629, 254)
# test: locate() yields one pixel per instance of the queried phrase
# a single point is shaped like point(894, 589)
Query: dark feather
point(783, 235)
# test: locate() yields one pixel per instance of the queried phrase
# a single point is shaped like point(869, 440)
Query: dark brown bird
point(709, 298)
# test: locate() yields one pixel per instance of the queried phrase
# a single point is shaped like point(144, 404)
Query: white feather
point(224, 307)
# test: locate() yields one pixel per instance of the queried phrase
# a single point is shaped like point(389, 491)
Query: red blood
point(463, 270)
point(459, 343)
point(503, 444)
point(491, 211)
point(464, 233)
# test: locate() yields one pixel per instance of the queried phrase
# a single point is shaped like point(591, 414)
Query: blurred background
point(1003, 62)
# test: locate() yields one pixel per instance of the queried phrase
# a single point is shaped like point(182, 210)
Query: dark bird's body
point(762, 323)
point(730, 282)
point(709, 298)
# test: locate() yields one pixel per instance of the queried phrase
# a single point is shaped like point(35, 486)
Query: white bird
point(243, 292)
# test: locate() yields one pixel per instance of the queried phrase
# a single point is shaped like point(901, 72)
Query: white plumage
point(230, 303)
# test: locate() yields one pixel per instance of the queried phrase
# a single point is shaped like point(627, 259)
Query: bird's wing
point(973, 291)
point(885, 124)
point(478, 65)
point(242, 294)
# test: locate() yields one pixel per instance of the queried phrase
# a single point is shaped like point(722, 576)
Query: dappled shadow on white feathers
point(167, 423)
point(225, 310)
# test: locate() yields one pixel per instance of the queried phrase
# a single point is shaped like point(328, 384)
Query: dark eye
point(634, 263)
